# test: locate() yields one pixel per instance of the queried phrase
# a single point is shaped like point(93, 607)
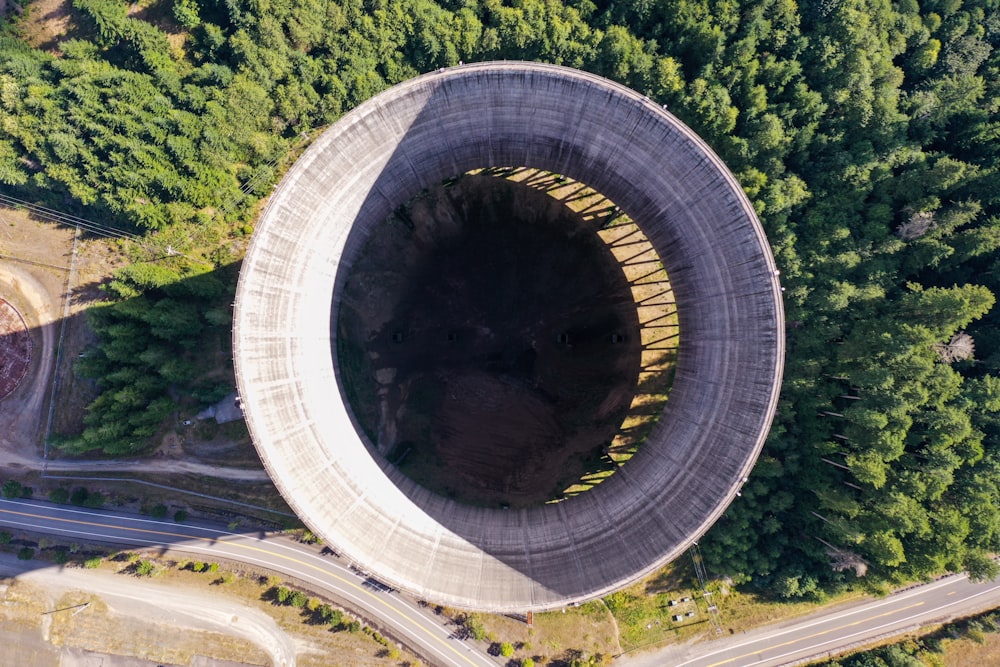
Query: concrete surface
point(666, 179)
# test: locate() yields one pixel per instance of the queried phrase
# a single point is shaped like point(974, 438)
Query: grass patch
point(970, 652)
point(556, 637)
point(135, 496)
point(646, 619)
point(647, 611)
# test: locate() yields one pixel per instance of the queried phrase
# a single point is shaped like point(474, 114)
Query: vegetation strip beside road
point(300, 565)
point(970, 641)
point(830, 631)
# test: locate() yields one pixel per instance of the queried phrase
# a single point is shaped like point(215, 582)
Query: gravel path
point(24, 408)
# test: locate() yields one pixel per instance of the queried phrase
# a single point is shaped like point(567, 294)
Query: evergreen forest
point(866, 133)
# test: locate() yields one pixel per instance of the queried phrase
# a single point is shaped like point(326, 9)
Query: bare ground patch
point(35, 259)
point(557, 638)
point(46, 24)
point(52, 281)
point(173, 617)
point(34, 269)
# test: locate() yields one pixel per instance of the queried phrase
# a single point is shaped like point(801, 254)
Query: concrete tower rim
point(678, 191)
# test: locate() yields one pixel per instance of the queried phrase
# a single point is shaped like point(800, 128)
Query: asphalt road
point(412, 624)
point(833, 630)
point(788, 643)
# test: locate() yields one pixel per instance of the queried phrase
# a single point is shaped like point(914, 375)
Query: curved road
point(787, 643)
point(416, 627)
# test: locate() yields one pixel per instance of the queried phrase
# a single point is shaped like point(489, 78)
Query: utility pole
point(699, 570)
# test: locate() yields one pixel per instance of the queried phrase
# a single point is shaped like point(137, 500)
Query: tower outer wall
point(666, 179)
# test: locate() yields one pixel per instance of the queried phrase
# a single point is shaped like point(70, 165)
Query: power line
point(699, 569)
point(262, 172)
point(67, 218)
point(87, 225)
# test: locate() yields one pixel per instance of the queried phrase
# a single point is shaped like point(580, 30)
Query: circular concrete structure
point(15, 348)
point(666, 179)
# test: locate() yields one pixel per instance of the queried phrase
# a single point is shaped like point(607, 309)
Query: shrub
point(92, 563)
point(475, 627)
point(5, 537)
point(95, 500)
point(144, 568)
point(79, 496)
point(298, 599)
point(213, 567)
point(11, 489)
point(60, 556)
point(180, 516)
point(281, 594)
point(527, 662)
point(506, 649)
point(197, 566)
point(308, 537)
point(158, 512)
point(330, 616)
point(25, 553)
point(60, 495)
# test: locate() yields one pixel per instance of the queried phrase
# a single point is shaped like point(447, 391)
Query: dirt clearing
point(34, 270)
point(46, 24)
point(161, 622)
